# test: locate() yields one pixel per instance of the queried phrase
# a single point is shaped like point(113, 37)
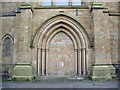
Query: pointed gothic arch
point(7, 48)
point(74, 30)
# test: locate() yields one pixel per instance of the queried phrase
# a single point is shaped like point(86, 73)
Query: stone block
point(23, 71)
point(112, 71)
point(101, 73)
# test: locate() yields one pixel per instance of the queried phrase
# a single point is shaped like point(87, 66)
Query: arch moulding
point(74, 30)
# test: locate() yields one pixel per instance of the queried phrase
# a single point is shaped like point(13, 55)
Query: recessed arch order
point(74, 30)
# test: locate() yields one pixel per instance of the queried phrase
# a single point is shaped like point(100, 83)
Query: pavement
point(60, 84)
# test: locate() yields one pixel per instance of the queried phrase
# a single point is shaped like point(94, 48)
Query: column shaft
point(84, 61)
point(53, 3)
point(70, 2)
point(79, 62)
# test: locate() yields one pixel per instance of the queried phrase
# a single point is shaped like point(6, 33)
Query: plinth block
point(101, 73)
point(23, 71)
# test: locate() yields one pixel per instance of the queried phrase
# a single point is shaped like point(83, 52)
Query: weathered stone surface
point(102, 46)
point(61, 56)
point(101, 73)
point(22, 71)
point(100, 28)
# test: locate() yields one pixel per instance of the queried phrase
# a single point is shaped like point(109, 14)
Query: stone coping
point(114, 14)
point(25, 7)
point(102, 64)
point(98, 4)
point(23, 64)
point(62, 7)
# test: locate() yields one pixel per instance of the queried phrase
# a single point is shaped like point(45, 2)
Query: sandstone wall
point(24, 25)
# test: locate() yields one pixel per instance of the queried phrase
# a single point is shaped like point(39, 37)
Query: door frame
point(74, 29)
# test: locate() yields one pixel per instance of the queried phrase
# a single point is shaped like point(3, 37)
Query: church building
point(60, 39)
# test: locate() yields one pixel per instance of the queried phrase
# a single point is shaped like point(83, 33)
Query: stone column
point(24, 51)
point(53, 3)
point(87, 3)
point(83, 61)
point(37, 3)
point(101, 70)
point(70, 2)
point(43, 61)
point(0, 44)
point(41, 2)
point(76, 65)
point(47, 51)
point(79, 62)
point(39, 61)
point(24, 36)
point(0, 40)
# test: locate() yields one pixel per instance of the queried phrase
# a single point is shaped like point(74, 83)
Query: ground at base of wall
point(52, 83)
point(52, 78)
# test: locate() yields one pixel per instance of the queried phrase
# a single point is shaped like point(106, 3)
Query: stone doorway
point(52, 60)
point(61, 58)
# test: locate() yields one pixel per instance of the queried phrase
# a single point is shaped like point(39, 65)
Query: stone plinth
point(112, 70)
point(23, 71)
point(101, 73)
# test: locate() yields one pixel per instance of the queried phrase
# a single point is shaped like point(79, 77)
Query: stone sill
point(7, 15)
point(23, 64)
point(62, 7)
point(104, 64)
point(98, 4)
point(25, 7)
point(97, 7)
point(114, 14)
point(106, 11)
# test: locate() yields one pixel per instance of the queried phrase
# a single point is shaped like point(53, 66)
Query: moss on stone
point(101, 73)
point(101, 78)
point(62, 7)
point(106, 10)
point(98, 7)
point(22, 78)
point(23, 72)
point(97, 4)
point(25, 7)
point(26, 4)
